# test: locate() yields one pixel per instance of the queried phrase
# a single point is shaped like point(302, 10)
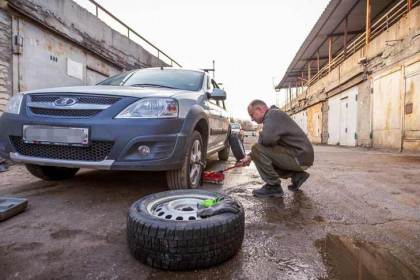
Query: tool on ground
point(221, 206)
point(217, 177)
point(210, 202)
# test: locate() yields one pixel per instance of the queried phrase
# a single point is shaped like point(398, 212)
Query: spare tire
point(237, 146)
point(164, 231)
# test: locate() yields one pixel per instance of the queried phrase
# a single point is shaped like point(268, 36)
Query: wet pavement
point(357, 217)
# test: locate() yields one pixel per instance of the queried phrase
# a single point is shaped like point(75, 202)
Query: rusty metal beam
point(317, 60)
point(368, 20)
point(345, 36)
point(330, 53)
point(409, 5)
point(353, 32)
point(309, 71)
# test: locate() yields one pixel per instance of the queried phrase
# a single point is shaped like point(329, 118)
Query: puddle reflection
point(350, 259)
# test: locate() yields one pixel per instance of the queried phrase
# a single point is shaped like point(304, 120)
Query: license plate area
point(56, 135)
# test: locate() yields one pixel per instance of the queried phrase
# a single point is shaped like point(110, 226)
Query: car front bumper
point(113, 143)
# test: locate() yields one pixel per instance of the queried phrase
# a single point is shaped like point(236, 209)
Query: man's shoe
point(298, 180)
point(269, 190)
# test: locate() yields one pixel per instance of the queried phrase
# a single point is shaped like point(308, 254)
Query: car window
point(117, 80)
point(236, 126)
point(170, 78)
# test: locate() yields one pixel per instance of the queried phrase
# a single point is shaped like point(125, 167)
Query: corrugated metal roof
point(331, 22)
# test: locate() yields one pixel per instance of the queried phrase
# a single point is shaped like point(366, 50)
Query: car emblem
point(65, 101)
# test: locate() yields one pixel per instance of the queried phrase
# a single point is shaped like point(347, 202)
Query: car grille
point(64, 113)
point(51, 110)
point(97, 151)
point(80, 99)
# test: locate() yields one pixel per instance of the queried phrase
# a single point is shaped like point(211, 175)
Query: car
point(155, 119)
point(236, 128)
point(249, 133)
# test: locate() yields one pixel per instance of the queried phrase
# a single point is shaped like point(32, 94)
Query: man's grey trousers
point(274, 162)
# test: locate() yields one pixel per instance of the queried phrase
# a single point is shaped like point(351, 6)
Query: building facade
point(360, 86)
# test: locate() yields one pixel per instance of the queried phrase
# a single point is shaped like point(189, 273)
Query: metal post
point(309, 73)
point(97, 10)
point(330, 54)
point(345, 36)
point(290, 98)
point(409, 5)
point(368, 20)
point(317, 60)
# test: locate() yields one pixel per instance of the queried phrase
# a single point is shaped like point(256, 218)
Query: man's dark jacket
point(280, 129)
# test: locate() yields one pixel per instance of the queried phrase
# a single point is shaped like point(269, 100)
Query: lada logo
point(65, 101)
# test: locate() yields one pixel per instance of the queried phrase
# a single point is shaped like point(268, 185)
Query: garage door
point(302, 120)
point(386, 104)
point(342, 118)
point(411, 108)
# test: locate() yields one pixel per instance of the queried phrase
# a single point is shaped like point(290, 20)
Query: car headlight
point(13, 106)
point(150, 108)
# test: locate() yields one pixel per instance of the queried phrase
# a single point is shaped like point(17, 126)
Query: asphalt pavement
point(358, 215)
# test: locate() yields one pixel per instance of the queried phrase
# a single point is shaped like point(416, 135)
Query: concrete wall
point(5, 58)
point(48, 43)
point(77, 24)
point(364, 115)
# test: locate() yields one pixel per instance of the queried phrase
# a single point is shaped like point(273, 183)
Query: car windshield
point(235, 126)
point(166, 78)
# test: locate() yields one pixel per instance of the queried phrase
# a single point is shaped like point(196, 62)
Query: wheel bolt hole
point(179, 218)
point(189, 208)
point(161, 213)
point(191, 218)
point(157, 210)
point(168, 217)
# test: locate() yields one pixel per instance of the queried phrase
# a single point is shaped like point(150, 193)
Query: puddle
point(350, 259)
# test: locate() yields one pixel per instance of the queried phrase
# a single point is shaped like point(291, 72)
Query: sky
point(252, 42)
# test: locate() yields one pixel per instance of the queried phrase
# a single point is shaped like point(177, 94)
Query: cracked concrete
point(75, 229)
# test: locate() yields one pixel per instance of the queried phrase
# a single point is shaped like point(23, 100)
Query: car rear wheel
point(237, 146)
point(189, 175)
point(224, 154)
point(51, 173)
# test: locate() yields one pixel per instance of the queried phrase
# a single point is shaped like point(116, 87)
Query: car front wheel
point(189, 175)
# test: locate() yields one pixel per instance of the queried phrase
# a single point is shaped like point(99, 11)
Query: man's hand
point(246, 161)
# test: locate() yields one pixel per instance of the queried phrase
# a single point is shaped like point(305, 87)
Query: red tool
point(217, 177)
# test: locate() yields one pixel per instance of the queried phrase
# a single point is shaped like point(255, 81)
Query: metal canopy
point(331, 24)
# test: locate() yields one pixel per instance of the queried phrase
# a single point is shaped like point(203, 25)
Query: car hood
point(112, 90)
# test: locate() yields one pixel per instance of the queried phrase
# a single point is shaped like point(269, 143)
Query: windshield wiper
point(152, 85)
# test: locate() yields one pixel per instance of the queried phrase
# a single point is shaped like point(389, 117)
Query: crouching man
point(283, 150)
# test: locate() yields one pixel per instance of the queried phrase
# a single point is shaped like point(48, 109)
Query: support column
point(345, 36)
point(409, 5)
point(317, 62)
point(368, 20)
point(309, 71)
point(330, 53)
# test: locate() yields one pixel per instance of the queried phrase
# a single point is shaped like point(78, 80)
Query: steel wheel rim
point(195, 159)
point(179, 208)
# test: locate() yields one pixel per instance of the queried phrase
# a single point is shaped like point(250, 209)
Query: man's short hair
point(256, 103)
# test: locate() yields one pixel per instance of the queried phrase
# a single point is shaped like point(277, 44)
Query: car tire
point(224, 154)
point(181, 178)
point(237, 146)
point(182, 244)
point(51, 173)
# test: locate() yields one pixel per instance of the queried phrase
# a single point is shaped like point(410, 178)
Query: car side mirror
point(217, 94)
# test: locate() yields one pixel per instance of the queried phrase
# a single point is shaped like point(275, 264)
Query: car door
point(214, 116)
point(223, 123)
